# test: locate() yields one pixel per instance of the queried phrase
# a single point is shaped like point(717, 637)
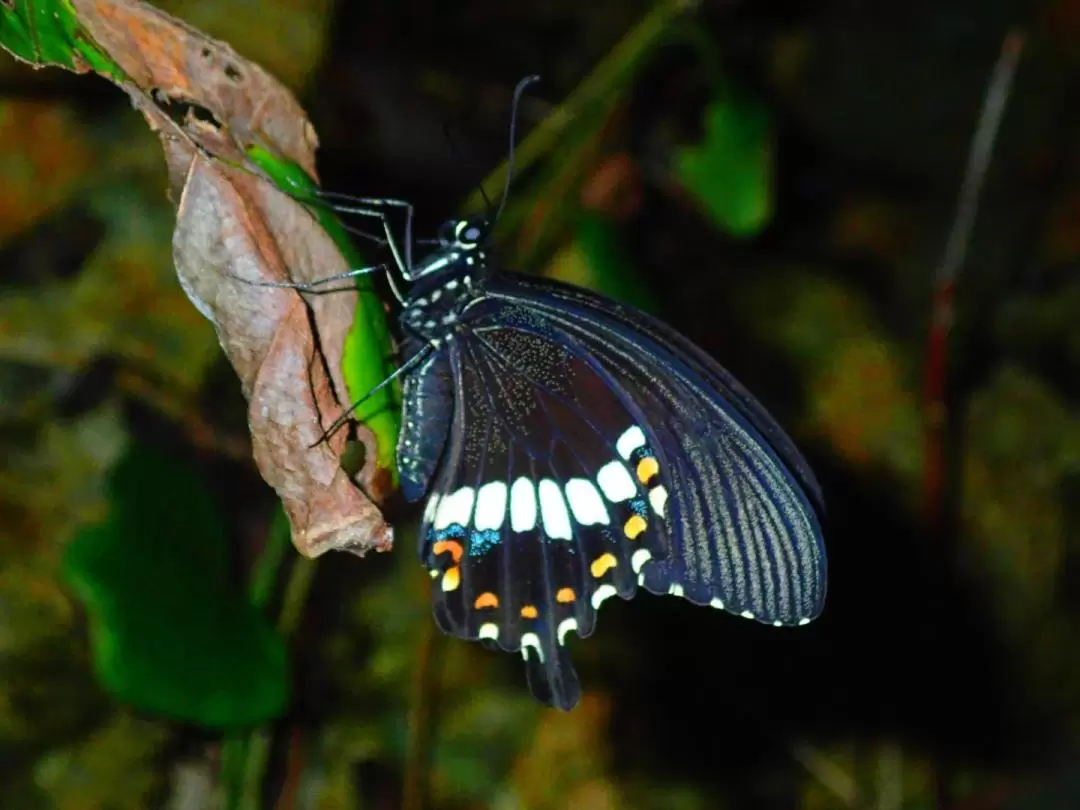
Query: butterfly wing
point(535, 516)
point(584, 449)
point(742, 503)
point(625, 324)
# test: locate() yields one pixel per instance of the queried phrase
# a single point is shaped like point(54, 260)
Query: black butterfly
point(572, 449)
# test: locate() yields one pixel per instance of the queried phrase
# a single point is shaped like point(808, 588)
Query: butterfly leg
point(318, 286)
point(405, 368)
point(404, 265)
point(378, 201)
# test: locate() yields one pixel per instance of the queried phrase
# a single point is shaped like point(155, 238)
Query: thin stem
point(418, 754)
point(245, 755)
point(601, 84)
point(830, 775)
point(952, 262)
point(267, 568)
point(296, 593)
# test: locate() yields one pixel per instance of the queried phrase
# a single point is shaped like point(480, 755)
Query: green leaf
point(170, 633)
point(47, 32)
point(368, 348)
point(730, 171)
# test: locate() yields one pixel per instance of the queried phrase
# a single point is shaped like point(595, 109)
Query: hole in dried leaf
point(353, 457)
point(207, 54)
point(233, 73)
point(181, 111)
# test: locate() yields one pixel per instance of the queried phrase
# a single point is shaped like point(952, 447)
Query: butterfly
point(570, 449)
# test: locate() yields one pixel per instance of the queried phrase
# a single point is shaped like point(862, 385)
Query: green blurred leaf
point(170, 634)
point(730, 171)
point(47, 32)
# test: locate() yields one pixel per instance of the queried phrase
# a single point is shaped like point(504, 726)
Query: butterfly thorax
point(433, 311)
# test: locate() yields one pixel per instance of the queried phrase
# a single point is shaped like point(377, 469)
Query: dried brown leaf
point(235, 231)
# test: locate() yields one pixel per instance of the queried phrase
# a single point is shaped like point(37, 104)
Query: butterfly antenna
point(519, 91)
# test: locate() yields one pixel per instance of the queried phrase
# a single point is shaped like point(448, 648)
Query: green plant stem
point(418, 754)
point(244, 755)
point(601, 87)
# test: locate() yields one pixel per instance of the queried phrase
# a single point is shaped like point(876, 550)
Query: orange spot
point(529, 612)
point(486, 600)
point(601, 564)
point(453, 546)
point(451, 579)
point(565, 595)
point(635, 526)
point(647, 468)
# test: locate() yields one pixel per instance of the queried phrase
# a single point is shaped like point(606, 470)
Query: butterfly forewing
point(744, 533)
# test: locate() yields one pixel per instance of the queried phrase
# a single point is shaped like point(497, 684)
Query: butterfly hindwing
point(540, 510)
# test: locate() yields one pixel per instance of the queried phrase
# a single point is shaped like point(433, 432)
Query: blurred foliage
point(730, 170)
point(170, 633)
point(48, 32)
point(777, 182)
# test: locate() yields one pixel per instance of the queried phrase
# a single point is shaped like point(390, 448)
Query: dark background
point(944, 672)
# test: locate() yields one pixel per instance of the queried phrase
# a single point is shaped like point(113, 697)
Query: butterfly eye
point(471, 235)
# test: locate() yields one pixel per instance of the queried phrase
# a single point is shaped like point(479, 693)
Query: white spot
point(455, 508)
point(658, 499)
point(641, 556)
point(489, 630)
point(585, 502)
point(432, 505)
point(470, 260)
point(615, 481)
point(429, 324)
point(565, 626)
point(777, 623)
point(746, 614)
point(630, 441)
point(452, 284)
point(490, 506)
point(434, 573)
point(601, 594)
point(435, 296)
point(803, 621)
point(716, 603)
point(553, 511)
point(641, 580)
point(675, 589)
point(522, 505)
point(531, 640)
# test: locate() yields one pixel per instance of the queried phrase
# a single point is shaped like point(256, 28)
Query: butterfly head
point(462, 246)
point(464, 234)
